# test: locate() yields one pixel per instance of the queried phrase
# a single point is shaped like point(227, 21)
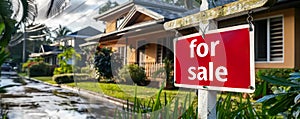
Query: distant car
point(6, 67)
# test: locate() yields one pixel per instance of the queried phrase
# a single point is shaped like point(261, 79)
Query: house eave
point(122, 9)
point(227, 10)
point(119, 10)
point(123, 31)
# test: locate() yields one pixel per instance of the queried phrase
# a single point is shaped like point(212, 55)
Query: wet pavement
point(30, 99)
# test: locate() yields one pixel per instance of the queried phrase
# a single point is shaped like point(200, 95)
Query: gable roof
point(48, 48)
point(124, 8)
point(85, 32)
point(158, 14)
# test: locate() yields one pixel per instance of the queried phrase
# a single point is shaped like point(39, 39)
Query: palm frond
point(56, 6)
point(29, 12)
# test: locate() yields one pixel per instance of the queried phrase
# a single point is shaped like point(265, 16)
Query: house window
point(121, 52)
point(269, 39)
point(120, 21)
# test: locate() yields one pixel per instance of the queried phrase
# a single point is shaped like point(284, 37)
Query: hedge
point(68, 78)
point(41, 69)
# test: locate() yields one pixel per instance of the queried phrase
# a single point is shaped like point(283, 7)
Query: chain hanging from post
point(250, 20)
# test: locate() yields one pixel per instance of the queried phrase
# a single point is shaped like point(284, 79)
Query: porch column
point(126, 47)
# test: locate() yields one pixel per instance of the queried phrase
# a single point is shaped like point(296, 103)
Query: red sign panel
point(223, 60)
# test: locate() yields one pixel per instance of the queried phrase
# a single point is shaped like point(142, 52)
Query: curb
point(86, 93)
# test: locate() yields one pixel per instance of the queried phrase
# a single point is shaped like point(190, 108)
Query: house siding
point(289, 36)
point(297, 37)
point(151, 53)
point(289, 39)
point(111, 26)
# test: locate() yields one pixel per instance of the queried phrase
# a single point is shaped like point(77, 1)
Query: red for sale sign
point(223, 60)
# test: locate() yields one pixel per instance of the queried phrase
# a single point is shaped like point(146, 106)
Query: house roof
point(46, 50)
point(230, 10)
point(152, 5)
point(82, 33)
point(227, 10)
point(158, 13)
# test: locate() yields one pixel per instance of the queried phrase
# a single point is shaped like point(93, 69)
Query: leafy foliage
point(30, 62)
point(41, 69)
point(263, 87)
point(284, 102)
point(55, 7)
point(68, 78)
point(64, 58)
point(155, 108)
point(133, 72)
point(106, 64)
point(107, 6)
point(234, 106)
point(168, 72)
point(60, 32)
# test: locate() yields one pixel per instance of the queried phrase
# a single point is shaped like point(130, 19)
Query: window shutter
point(276, 39)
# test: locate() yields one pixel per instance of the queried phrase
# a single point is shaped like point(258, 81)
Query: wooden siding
point(297, 37)
point(289, 39)
point(143, 18)
point(150, 53)
point(289, 36)
point(111, 26)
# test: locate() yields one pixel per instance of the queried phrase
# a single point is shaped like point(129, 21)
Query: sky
point(78, 15)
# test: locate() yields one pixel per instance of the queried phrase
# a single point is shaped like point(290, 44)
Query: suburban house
point(276, 24)
point(76, 39)
point(135, 32)
point(50, 52)
point(142, 32)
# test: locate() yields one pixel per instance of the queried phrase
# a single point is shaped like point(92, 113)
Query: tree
point(64, 58)
point(106, 64)
point(108, 5)
point(9, 12)
point(61, 32)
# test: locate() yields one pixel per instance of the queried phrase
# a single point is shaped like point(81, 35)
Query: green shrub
point(263, 87)
point(133, 72)
point(68, 78)
point(156, 109)
point(106, 63)
point(30, 62)
point(41, 69)
point(63, 58)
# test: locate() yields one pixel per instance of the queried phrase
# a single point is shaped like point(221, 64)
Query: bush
point(262, 87)
point(68, 78)
point(41, 69)
point(64, 58)
point(133, 72)
point(106, 63)
point(30, 62)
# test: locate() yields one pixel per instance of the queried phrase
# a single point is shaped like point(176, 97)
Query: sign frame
point(251, 88)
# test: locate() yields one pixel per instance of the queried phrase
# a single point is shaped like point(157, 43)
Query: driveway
point(29, 99)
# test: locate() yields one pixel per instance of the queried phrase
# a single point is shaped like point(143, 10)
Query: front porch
point(152, 69)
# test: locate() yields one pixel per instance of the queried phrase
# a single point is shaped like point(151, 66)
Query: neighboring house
point(48, 53)
point(76, 39)
point(276, 23)
point(135, 32)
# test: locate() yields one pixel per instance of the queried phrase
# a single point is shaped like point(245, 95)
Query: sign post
point(222, 61)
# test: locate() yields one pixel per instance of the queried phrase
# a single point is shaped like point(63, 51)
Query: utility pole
point(24, 43)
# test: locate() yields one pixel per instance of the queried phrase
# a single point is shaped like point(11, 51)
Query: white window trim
point(268, 40)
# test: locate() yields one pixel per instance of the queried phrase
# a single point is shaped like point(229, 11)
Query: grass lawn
point(47, 79)
point(23, 74)
point(127, 91)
